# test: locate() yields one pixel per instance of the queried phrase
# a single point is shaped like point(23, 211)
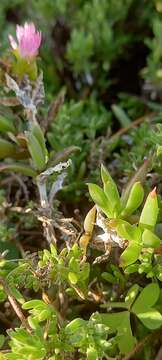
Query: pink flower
point(28, 41)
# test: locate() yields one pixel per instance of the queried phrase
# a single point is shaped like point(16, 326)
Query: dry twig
point(15, 305)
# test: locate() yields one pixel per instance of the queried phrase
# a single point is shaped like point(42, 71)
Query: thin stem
point(131, 126)
point(15, 305)
point(47, 300)
point(42, 193)
point(139, 347)
point(45, 218)
point(46, 203)
point(159, 354)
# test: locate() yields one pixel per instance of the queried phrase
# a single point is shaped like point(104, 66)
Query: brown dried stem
point(131, 126)
point(139, 347)
point(15, 305)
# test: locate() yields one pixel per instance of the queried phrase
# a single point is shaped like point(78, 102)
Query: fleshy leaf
point(113, 321)
point(149, 239)
point(128, 231)
point(152, 319)
point(21, 169)
point(147, 298)
point(6, 125)
point(126, 341)
point(90, 220)
point(135, 199)
point(119, 322)
point(72, 277)
point(92, 354)
point(112, 195)
point(99, 198)
point(150, 210)
point(110, 188)
point(35, 150)
point(131, 269)
point(74, 325)
point(37, 132)
point(130, 254)
point(132, 294)
point(7, 149)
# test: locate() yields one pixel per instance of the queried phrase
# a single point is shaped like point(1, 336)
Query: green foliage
point(140, 235)
point(36, 146)
point(121, 115)
point(79, 124)
point(135, 147)
point(153, 70)
point(66, 267)
point(90, 336)
point(141, 306)
point(60, 297)
point(109, 201)
point(80, 51)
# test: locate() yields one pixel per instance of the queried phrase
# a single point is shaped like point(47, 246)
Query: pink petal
point(19, 32)
point(29, 40)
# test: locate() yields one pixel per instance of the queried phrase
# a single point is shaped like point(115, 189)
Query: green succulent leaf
point(135, 199)
point(119, 322)
point(74, 325)
point(110, 188)
point(38, 133)
point(72, 278)
point(36, 152)
point(6, 125)
point(130, 254)
point(128, 231)
point(99, 198)
point(147, 298)
point(149, 239)
point(152, 319)
point(92, 353)
point(150, 210)
point(112, 195)
point(21, 169)
point(7, 149)
point(131, 269)
point(125, 332)
point(131, 295)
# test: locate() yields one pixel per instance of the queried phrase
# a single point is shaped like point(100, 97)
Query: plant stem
point(15, 305)
point(139, 347)
point(131, 126)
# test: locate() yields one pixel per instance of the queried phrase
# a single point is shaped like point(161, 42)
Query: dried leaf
point(140, 175)
point(62, 155)
point(57, 186)
point(58, 168)
point(38, 94)
point(9, 101)
point(22, 94)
